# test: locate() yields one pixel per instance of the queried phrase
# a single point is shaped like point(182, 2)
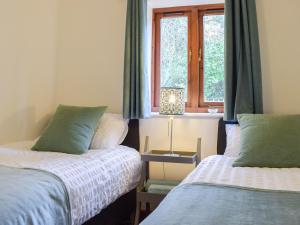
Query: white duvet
point(219, 170)
point(93, 180)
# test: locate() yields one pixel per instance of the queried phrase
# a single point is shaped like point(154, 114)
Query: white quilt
point(219, 170)
point(93, 180)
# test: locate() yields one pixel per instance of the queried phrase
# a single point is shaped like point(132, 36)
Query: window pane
point(214, 58)
point(174, 52)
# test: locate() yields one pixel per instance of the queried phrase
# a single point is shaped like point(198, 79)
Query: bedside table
point(152, 192)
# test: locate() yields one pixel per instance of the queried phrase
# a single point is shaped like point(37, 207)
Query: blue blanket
point(204, 204)
point(32, 197)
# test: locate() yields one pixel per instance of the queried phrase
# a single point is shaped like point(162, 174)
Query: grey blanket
point(32, 197)
point(206, 204)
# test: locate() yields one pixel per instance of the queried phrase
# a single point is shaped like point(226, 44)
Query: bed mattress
point(218, 170)
point(93, 180)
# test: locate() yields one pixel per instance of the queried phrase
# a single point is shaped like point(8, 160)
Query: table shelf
point(163, 156)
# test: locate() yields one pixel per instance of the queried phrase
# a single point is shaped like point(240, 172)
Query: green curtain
point(136, 102)
point(243, 82)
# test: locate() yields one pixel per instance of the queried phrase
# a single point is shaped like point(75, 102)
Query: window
point(188, 52)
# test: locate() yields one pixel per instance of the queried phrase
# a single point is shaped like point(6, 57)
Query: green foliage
point(214, 58)
point(174, 55)
point(174, 50)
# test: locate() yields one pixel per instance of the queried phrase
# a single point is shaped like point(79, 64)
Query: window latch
point(200, 55)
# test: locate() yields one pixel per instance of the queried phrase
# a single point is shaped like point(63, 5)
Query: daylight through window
point(188, 52)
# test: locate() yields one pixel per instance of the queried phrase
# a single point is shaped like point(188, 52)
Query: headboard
point(221, 145)
point(132, 139)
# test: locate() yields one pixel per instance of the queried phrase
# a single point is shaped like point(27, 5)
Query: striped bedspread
point(218, 169)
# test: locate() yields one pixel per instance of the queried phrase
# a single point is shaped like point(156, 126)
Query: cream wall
point(27, 66)
point(186, 131)
point(91, 52)
point(90, 66)
point(280, 49)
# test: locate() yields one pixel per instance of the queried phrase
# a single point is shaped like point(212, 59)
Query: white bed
point(217, 193)
point(218, 170)
point(93, 180)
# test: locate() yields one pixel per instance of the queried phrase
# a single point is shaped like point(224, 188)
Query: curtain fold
point(243, 82)
point(136, 102)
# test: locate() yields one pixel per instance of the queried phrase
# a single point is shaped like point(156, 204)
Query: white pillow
point(111, 131)
point(233, 133)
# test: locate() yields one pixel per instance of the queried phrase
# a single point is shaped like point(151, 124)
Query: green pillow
point(70, 130)
point(269, 141)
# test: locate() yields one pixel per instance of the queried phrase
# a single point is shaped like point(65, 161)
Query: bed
point(55, 188)
point(217, 193)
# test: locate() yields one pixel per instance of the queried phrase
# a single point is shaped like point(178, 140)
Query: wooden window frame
point(195, 103)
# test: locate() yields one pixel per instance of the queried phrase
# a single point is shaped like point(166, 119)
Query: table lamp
point(171, 103)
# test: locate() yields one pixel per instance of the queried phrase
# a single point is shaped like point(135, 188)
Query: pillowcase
point(269, 141)
point(233, 140)
point(111, 131)
point(70, 130)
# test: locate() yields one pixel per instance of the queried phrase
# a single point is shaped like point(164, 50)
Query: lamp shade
point(171, 101)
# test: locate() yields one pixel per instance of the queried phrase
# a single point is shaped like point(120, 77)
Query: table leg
point(137, 213)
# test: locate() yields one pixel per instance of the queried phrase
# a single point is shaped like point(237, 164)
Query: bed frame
point(120, 211)
point(221, 145)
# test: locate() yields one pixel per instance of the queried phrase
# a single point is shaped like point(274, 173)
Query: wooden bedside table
point(150, 197)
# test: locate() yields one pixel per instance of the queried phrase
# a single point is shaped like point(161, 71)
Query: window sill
point(190, 115)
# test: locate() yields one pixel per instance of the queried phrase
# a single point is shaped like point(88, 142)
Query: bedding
point(233, 140)
point(217, 193)
point(32, 197)
point(218, 170)
point(111, 131)
point(93, 180)
point(70, 130)
point(269, 141)
point(203, 204)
